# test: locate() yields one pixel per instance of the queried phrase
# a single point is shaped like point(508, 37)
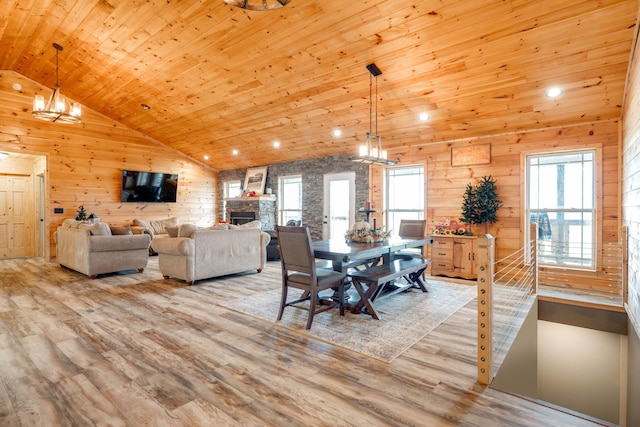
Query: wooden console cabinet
point(454, 256)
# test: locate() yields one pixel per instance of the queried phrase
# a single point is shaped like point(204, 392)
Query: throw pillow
point(172, 231)
point(120, 231)
point(97, 229)
point(252, 224)
point(186, 230)
point(100, 229)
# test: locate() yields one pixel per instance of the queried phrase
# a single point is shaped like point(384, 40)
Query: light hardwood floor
point(135, 349)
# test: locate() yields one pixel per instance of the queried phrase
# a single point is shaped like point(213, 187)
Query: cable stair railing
point(509, 287)
point(506, 293)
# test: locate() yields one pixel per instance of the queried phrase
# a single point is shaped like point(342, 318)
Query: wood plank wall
point(84, 163)
point(631, 188)
point(445, 184)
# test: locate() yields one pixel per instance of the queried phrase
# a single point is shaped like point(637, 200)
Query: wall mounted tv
point(148, 187)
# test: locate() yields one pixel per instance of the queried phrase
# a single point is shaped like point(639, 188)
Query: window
point(231, 189)
point(561, 199)
point(404, 195)
point(290, 199)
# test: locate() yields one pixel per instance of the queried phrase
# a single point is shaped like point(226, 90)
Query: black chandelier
point(372, 151)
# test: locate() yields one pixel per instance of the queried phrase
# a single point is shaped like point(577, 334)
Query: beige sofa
point(206, 253)
point(93, 249)
point(154, 227)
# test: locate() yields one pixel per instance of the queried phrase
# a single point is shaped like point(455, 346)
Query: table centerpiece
point(362, 232)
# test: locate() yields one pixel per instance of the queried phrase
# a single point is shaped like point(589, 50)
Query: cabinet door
point(463, 257)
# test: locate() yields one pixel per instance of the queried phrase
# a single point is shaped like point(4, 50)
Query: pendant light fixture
point(372, 151)
point(261, 5)
point(57, 109)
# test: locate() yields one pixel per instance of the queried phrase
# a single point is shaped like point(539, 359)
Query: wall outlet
point(58, 210)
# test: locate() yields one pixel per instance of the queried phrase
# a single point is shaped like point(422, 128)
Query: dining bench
point(381, 281)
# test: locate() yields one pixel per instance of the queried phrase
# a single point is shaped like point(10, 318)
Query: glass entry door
point(339, 204)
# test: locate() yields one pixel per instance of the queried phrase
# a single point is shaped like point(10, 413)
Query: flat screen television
point(149, 187)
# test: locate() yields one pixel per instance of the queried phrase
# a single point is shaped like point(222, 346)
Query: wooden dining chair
point(411, 229)
point(299, 271)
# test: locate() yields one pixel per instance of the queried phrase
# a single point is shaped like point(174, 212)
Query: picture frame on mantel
point(479, 154)
point(255, 180)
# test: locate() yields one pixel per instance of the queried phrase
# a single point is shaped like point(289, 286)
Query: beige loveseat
point(93, 249)
point(205, 253)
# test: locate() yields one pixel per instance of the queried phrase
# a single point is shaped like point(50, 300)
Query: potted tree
point(480, 203)
point(82, 214)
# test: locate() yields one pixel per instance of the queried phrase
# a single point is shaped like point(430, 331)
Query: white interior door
point(339, 204)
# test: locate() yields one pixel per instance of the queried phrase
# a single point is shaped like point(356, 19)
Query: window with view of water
point(290, 199)
point(561, 199)
point(404, 195)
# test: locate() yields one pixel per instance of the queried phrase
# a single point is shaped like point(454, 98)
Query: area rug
point(406, 318)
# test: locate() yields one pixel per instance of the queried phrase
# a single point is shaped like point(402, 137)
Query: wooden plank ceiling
point(219, 78)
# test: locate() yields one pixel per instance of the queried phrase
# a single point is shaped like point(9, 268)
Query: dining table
point(344, 255)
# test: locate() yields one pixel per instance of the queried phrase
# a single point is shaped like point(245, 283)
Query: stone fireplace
point(244, 209)
point(239, 217)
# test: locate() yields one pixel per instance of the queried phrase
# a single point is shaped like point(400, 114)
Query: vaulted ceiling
point(219, 78)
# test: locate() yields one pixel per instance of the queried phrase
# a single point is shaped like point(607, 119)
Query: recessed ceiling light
point(3, 156)
point(276, 144)
point(206, 157)
point(423, 117)
point(17, 86)
point(145, 106)
point(554, 92)
point(234, 152)
point(336, 133)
